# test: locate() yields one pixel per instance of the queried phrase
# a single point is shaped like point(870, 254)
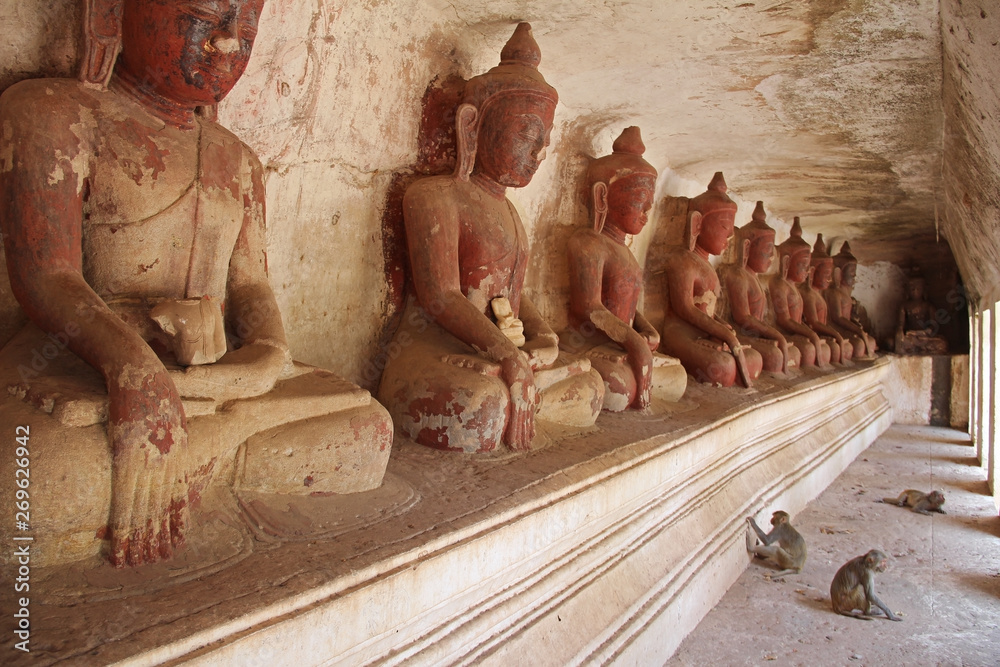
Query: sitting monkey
point(853, 587)
point(790, 552)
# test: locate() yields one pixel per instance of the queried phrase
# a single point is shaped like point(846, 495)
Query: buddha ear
point(102, 27)
point(465, 133)
point(786, 262)
point(836, 276)
point(745, 255)
point(693, 229)
point(599, 205)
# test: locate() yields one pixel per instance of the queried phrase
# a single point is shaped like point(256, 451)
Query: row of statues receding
point(154, 363)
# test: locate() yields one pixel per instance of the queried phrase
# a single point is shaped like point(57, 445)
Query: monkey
point(790, 551)
point(920, 502)
point(853, 587)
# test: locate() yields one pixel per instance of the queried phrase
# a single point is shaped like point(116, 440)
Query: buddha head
point(822, 264)
point(505, 117)
point(621, 185)
point(755, 241)
point(915, 287)
point(711, 218)
point(794, 254)
point(188, 54)
point(847, 263)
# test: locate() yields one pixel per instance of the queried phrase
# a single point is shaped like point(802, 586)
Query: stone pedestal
point(608, 545)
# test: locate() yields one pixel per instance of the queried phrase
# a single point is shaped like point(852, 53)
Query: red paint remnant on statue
point(130, 133)
point(216, 168)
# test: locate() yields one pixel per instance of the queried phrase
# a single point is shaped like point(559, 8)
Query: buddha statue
point(794, 256)
point(155, 361)
point(606, 280)
point(916, 332)
point(747, 300)
point(475, 359)
point(691, 331)
point(841, 304)
point(814, 308)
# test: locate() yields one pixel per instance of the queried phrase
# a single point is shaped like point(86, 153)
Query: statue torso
point(492, 244)
point(782, 288)
point(621, 280)
point(812, 298)
point(162, 207)
point(687, 267)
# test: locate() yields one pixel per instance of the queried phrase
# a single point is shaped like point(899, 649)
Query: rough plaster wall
point(829, 109)
point(971, 33)
point(881, 288)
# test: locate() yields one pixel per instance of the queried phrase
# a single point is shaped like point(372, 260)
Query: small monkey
point(920, 502)
point(790, 552)
point(853, 587)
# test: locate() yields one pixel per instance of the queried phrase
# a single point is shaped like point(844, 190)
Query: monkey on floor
point(790, 551)
point(919, 501)
point(853, 587)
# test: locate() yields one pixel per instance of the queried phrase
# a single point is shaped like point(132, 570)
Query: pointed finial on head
point(521, 48)
point(796, 228)
point(819, 249)
point(629, 141)
point(758, 213)
point(845, 256)
point(718, 183)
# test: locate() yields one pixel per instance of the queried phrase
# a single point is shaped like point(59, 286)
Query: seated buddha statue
point(841, 304)
point(916, 332)
point(747, 300)
point(786, 302)
point(155, 361)
point(475, 359)
point(691, 331)
point(605, 324)
point(814, 308)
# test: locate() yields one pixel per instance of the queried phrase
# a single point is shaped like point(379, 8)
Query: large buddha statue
point(747, 300)
point(155, 361)
point(841, 304)
point(916, 332)
point(814, 308)
point(692, 332)
point(475, 359)
point(606, 280)
point(794, 256)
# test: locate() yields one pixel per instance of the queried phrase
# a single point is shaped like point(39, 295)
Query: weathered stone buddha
point(747, 300)
point(155, 361)
point(794, 255)
point(841, 304)
point(475, 358)
point(605, 324)
point(814, 308)
point(707, 346)
point(916, 332)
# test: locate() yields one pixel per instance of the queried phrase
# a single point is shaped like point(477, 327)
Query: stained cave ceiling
point(825, 109)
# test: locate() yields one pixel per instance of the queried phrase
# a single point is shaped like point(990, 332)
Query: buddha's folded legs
point(313, 433)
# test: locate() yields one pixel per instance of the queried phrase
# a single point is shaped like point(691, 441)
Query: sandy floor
point(944, 577)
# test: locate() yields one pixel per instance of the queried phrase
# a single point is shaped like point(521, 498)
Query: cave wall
point(971, 174)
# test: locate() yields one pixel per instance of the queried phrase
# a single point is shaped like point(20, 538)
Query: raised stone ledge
point(607, 545)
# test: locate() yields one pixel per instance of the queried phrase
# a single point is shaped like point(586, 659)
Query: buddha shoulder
point(434, 193)
point(68, 106)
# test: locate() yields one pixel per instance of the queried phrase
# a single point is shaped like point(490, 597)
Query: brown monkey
point(790, 552)
point(919, 501)
point(853, 587)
